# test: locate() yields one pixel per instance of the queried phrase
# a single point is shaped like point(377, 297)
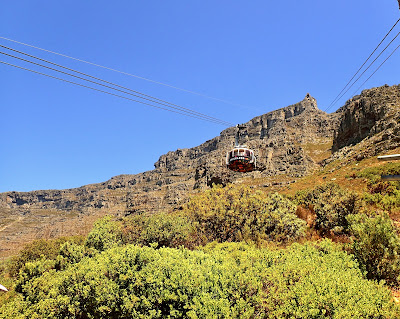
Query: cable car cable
point(93, 77)
point(377, 68)
point(197, 114)
point(337, 98)
point(102, 91)
point(132, 75)
point(369, 66)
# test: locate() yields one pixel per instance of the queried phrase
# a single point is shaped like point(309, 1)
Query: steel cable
point(102, 91)
point(146, 97)
point(340, 95)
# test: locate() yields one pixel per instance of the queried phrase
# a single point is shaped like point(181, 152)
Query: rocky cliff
point(369, 124)
point(289, 143)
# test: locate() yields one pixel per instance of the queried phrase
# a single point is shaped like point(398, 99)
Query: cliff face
point(282, 141)
point(289, 143)
point(370, 122)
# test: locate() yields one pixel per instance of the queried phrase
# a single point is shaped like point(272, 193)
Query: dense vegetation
point(331, 206)
point(228, 253)
point(384, 195)
point(227, 280)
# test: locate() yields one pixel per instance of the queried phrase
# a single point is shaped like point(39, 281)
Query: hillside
point(292, 144)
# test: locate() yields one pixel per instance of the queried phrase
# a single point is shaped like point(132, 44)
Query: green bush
point(376, 246)
point(167, 230)
point(105, 234)
point(38, 249)
point(385, 195)
point(373, 174)
point(229, 280)
point(331, 205)
point(236, 213)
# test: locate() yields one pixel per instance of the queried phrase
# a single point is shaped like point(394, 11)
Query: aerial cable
point(197, 114)
point(130, 74)
point(93, 77)
point(102, 91)
point(165, 103)
point(368, 67)
point(339, 96)
point(88, 87)
point(377, 68)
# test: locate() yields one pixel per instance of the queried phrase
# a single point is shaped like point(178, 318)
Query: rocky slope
point(369, 124)
point(289, 143)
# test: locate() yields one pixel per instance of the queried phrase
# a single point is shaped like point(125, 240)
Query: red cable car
point(240, 159)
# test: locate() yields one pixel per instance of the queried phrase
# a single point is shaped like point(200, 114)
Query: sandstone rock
point(371, 121)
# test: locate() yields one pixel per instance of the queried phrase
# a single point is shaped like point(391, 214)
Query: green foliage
point(38, 249)
point(167, 230)
point(331, 205)
point(373, 174)
point(105, 234)
point(229, 280)
point(236, 213)
point(376, 246)
point(313, 281)
point(101, 278)
point(385, 195)
point(386, 201)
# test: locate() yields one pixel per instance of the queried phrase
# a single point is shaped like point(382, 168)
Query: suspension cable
point(125, 88)
point(184, 110)
point(105, 92)
point(133, 75)
point(340, 95)
point(377, 68)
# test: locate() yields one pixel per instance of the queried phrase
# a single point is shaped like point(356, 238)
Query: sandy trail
point(12, 223)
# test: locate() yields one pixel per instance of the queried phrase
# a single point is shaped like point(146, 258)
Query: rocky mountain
point(289, 143)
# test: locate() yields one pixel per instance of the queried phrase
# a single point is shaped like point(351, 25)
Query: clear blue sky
point(260, 54)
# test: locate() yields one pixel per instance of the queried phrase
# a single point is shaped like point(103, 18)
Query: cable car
point(240, 159)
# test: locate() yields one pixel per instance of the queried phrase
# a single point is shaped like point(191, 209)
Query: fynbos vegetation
point(220, 256)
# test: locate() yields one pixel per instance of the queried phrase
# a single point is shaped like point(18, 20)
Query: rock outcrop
point(369, 123)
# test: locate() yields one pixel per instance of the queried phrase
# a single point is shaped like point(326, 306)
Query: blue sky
point(260, 55)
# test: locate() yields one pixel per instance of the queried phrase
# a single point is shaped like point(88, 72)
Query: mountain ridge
point(290, 142)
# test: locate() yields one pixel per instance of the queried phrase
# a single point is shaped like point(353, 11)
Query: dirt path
point(12, 223)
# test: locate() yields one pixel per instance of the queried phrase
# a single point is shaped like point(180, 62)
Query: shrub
point(385, 195)
point(331, 205)
point(237, 213)
point(167, 230)
point(105, 234)
point(376, 246)
point(229, 280)
point(38, 249)
point(373, 174)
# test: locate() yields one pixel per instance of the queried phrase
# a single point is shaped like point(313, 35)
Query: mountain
point(290, 143)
